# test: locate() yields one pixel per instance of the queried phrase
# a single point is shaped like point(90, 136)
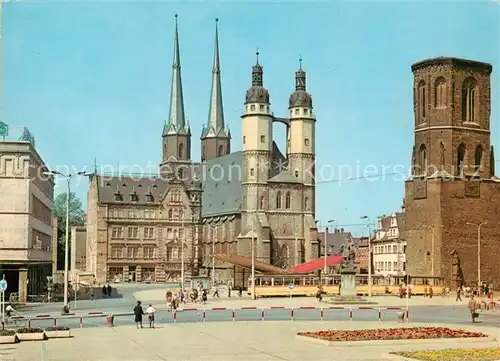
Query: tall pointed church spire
point(215, 138)
point(176, 122)
point(216, 112)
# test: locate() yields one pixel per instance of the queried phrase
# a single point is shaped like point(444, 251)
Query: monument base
point(348, 293)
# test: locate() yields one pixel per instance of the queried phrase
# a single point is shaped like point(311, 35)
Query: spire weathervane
point(257, 54)
point(300, 62)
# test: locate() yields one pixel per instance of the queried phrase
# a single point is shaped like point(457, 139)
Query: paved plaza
point(216, 341)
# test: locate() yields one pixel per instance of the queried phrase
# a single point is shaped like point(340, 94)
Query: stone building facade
point(260, 195)
point(218, 206)
point(389, 246)
point(453, 193)
point(26, 204)
point(143, 227)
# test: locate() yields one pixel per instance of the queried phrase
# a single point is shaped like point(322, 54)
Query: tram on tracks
point(307, 285)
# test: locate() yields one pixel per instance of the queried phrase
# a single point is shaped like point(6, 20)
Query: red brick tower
point(453, 196)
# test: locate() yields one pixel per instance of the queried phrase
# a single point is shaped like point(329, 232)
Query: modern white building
point(389, 245)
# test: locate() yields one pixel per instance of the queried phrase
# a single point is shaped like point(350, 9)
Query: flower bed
point(30, 334)
point(58, 332)
point(414, 333)
point(478, 354)
point(7, 336)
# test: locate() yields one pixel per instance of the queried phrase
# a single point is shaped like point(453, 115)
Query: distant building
point(362, 259)
point(389, 245)
point(335, 238)
point(78, 249)
point(26, 203)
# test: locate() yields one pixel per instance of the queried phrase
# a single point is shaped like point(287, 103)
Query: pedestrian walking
point(431, 292)
point(229, 292)
point(92, 294)
point(151, 315)
point(216, 293)
point(109, 289)
point(138, 313)
point(472, 309)
point(458, 294)
point(104, 290)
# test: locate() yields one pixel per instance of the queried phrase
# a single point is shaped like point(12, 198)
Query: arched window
point(469, 100)
point(181, 214)
point(220, 150)
point(440, 93)
point(278, 200)
point(285, 254)
point(181, 151)
point(422, 158)
point(306, 204)
point(460, 159)
point(422, 101)
point(477, 157)
point(262, 202)
point(287, 200)
point(441, 155)
point(181, 173)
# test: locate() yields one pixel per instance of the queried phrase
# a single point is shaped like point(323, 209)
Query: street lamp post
point(325, 269)
point(214, 233)
point(182, 255)
point(66, 240)
point(253, 258)
point(478, 250)
point(369, 256)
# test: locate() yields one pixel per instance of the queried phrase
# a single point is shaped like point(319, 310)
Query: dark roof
point(126, 186)
point(401, 219)
point(386, 224)
point(455, 62)
point(222, 192)
point(334, 240)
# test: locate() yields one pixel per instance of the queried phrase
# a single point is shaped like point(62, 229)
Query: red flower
point(392, 334)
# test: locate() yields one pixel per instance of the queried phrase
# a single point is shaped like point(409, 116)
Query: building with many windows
point(389, 245)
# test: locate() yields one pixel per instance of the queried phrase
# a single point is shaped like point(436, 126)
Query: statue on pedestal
point(349, 255)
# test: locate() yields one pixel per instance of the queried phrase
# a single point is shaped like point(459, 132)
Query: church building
point(148, 228)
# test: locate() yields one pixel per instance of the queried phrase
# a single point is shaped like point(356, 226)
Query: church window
point(460, 159)
point(287, 200)
point(220, 151)
point(252, 107)
point(262, 107)
point(262, 138)
point(306, 142)
point(181, 173)
point(296, 173)
point(252, 172)
point(477, 157)
point(422, 160)
point(297, 111)
point(440, 93)
point(244, 139)
point(422, 104)
point(306, 111)
point(262, 202)
point(285, 254)
point(469, 100)
point(278, 200)
point(181, 150)
point(306, 203)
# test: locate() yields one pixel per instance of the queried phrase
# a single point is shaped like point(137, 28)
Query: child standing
point(151, 315)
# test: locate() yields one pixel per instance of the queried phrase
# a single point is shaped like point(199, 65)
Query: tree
point(76, 218)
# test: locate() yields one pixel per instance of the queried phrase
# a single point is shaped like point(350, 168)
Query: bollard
point(55, 322)
point(204, 315)
point(3, 325)
point(110, 320)
point(29, 322)
point(291, 314)
point(379, 315)
point(262, 315)
point(407, 315)
point(81, 321)
point(322, 314)
point(350, 314)
point(233, 314)
point(174, 315)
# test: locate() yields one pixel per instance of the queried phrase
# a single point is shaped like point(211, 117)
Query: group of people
point(467, 291)
point(139, 312)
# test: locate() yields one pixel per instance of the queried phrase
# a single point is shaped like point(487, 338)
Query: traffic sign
point(291, 286)
point(3, 285)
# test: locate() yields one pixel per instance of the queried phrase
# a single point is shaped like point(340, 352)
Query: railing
point(233, 314)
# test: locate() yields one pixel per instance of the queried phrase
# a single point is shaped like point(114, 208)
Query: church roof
point(222, 191)
point(284, 177)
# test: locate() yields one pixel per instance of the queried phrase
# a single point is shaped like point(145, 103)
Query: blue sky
point(92, 79)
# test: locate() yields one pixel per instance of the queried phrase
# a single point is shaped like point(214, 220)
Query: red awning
point(316, 264)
